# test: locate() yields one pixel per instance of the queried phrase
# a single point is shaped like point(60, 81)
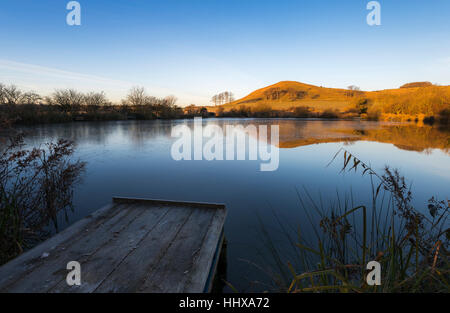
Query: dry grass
point(36, 186)
point(411, 245)
point(394, 104)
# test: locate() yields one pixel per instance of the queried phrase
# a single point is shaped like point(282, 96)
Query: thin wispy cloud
point(47, 71)
point(45, 79)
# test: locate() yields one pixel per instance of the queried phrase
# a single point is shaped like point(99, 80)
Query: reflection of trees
point(139, 132)
point(293, 133)
point(99, 133)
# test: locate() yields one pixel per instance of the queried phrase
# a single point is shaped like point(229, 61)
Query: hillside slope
point(286, 94)
point(425, 100)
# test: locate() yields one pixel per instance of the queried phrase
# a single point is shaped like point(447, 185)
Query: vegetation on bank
point(70, 105)
point(411, 245)
point(422, 102)
point(36, 187)
point(431, 104)
point(266, 111)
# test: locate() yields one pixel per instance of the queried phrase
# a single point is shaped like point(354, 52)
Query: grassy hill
point(287, 94)
point(414, 100)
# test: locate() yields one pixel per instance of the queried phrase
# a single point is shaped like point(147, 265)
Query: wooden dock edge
point(215, 262)
point(217, 253)
point(169, 202)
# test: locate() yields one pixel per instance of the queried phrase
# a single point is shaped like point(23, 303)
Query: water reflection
point(293, 133)
point(132, 159)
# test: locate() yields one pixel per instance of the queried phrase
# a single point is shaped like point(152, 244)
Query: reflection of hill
point(413, 138)
point(296, 133)
point(312, 141)
point(304, 132)
point(293, 132)
point(406, 137)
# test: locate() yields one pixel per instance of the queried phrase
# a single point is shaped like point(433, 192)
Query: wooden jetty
point(131, 245)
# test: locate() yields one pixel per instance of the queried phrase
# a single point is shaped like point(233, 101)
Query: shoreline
point(402, 119)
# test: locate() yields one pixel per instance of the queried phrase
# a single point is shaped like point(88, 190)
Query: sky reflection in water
point(132, 159)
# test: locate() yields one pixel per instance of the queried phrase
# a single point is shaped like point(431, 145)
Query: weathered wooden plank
point(98, 266)
point(173, 271)
point(53, 270)
point(204, 259)
point(134, 245)
point(131, 273)
point(31, 260)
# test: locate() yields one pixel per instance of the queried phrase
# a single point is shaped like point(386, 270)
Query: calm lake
point(133, 159)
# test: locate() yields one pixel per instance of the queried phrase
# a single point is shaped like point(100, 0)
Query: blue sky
point(196, 48)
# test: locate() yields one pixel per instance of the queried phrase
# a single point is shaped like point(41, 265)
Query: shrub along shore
point(70, 105)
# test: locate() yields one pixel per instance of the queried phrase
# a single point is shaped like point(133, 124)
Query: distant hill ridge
point(414, 99)
point(292, 91)
point(417, 84)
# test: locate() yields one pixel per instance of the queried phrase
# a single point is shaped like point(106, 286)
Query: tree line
point(69, 104)
point(223, 98)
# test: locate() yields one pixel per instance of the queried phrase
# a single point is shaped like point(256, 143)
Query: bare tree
point(223, 98)
point(170, 100)
point(214, 100)
point(230, 97)
point(12, 94)
point(67, 99)
point(137, 96)
point(226, 97)
point(31, 98)
point(354, 88)
point(95, 99)
point(2, 94)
